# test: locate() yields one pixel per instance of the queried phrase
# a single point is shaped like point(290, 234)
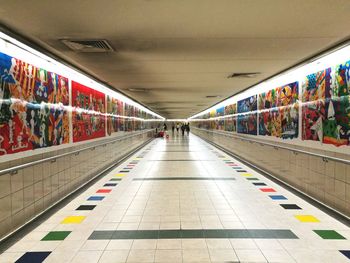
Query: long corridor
point(182, 200)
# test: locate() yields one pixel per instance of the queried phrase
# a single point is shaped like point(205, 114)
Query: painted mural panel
point(270, 123)
point(32, 107)
point(317, 86)
point(342, 80)
point(269, 99)
point(247, 123)
point(313, 114)
point(279, 112)
point(115, 122)
point(288, 94)
point(336, 124)
point(248, 104)
point(289, 116)
point(231, 122)
point(88, 116)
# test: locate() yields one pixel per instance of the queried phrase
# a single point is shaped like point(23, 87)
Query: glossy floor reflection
point(182, 200)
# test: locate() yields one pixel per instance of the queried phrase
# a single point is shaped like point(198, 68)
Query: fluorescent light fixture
point(331, 59)
point(15, 48)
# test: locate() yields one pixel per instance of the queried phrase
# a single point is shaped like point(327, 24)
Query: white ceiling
point(180, 51)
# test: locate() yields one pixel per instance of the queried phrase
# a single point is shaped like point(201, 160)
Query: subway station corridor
point(182, 200)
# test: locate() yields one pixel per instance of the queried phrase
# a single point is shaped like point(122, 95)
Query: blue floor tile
point(277, 197)
point(95, 198)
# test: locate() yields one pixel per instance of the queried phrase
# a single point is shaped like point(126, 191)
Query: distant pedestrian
point(173, 128)
point(183, 129)
point(188, 128)
point(165, 128)
point(177, 128)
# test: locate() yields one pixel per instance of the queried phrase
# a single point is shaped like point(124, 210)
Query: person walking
point(177, 127)
point(188, 128)
point(173, 128)
point(183, 129)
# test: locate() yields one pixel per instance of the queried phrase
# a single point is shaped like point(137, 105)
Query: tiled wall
point(326, 181)
point(31, 190)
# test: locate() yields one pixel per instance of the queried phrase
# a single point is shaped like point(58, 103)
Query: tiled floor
point(182, 200)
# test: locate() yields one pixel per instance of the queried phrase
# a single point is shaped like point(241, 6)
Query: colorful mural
point(248, 104)
point(88, 116)
point(247, 123)
point(115, 111)
point(32, 107)
point(231, 122)
point(278, 115)
point(317, 85)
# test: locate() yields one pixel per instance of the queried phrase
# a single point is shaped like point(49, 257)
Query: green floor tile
point(192, 233)
point(169, 234)
point(329, 234)
point(252, 179)
point(56, 235)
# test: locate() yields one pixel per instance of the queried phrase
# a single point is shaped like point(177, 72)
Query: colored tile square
point(246, 174)
point(104, 191)
point(259, 184)
point(241, 171)
point(123, 171)
point(278, 197)
point(120, 175)
point(33, 257)
point(307, 218)
point(169, 234)
point(252, 179)
point(290, 206)
point(267, 190)
point(115, 179)
point(95, 198)
point(345, 253)
point(86, 207)
point(56, 235)
point(329, 234)
point(73, 220)
point(110, 184)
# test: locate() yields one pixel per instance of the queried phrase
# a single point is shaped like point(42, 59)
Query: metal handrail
point(14, 169)
point(325, 158)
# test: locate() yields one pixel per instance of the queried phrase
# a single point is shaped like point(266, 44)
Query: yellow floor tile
point(73, 220)
point(120, 175)
point(306, 218)
point(246, 174)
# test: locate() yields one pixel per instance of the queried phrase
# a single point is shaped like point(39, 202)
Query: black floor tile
point(86, 207)
point(110, 184)
point(33, 257)
point(290, 206)
point(259, 184)
point(345, 253)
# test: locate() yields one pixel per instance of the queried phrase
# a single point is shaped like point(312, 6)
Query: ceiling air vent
point(212, 96)
point(243, 75)
point(88, 45)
